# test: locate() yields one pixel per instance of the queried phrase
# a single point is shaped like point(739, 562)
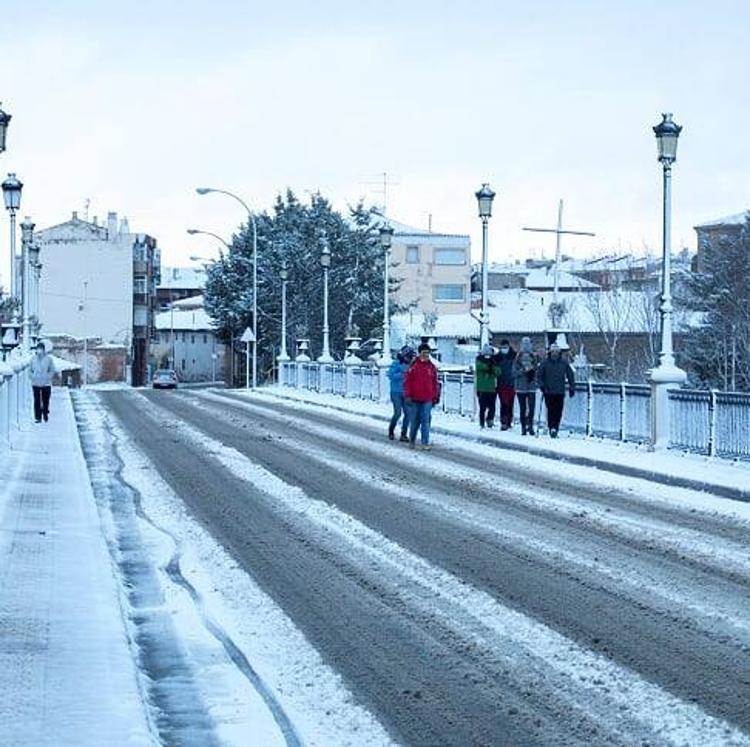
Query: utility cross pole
point(558, 233)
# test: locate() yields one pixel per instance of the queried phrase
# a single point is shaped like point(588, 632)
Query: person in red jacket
point(421, 392)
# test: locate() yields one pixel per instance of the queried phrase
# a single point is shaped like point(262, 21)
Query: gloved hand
point(572, 392)
point(435, 402)
point(408, 401)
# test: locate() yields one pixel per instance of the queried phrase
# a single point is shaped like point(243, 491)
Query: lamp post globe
point(12, 188)
point(484, 196)
point(4, 122)
point(667, 133)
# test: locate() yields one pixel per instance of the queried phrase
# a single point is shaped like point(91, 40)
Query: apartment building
point(99, 282)
point(434, 270)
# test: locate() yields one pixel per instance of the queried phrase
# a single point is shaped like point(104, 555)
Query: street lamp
point(325, 263)
point(484, 196)
point(196, 231)
point(386, 239)
point(27, 239)
point(666, 375)
point(4, 122)
point(284, 275)
point(12, 188)
point(209, 190)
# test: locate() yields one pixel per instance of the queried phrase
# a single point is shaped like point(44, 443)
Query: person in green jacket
point(485, 380)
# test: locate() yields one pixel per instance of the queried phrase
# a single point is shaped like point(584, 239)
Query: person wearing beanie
point(422, 392)
point(524, 381)
point(395, 374)
point(506, 391)
point(553, 375)
point(485, 380)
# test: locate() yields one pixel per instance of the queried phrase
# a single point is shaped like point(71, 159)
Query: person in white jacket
point(42, 372)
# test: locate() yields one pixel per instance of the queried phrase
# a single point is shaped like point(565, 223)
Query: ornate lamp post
point(35, 271)
point(484, 196)
point(27, 239)
point(325, 263)
point(210, 190)
point(386, 240)
point(283, 356)
point(666, 375)
point(12, 188)
point(4, 122)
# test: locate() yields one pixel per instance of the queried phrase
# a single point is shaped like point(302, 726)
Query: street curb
point(724, 491)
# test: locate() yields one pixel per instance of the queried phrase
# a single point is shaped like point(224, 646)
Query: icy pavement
point(721, 477)
point(66, 672)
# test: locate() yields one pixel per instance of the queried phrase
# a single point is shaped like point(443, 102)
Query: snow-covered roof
point(61, 364)
point(191, 302)
point(191, 278)
point(520, 311)
point(542, 278)
point(730, 220)
point(402, 230)
point(184, 319)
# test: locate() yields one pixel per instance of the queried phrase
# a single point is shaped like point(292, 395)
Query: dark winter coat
point(485, 373)
point(421, 382)
point(524, 372)
point(553, 374)
point(504, 365)
point(395, 374)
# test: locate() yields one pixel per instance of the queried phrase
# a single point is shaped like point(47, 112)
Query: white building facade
point(99, 282)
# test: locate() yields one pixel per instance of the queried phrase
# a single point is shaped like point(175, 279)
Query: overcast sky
point(133, 105)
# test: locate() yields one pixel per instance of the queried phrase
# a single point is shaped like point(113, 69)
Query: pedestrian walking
point(524, 382)
point(422, 392)
point(554, 374)
point(506, 390)
point(485, 381)
point(42, 373)
point(395, 373)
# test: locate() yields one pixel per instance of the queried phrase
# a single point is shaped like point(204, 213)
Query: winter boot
point(490, 424)
point(404, 438)
point(390, 434)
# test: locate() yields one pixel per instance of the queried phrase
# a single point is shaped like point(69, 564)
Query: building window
point(182, 364)
point(139, 286)
point(450, 256)
point(412, 255)
point(205, 339)
point(192, 339)
point(449, 293)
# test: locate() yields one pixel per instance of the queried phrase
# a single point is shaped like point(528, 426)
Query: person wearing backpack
point(485, 381)
point(553, 375)
point(422, 392)
point(524, 381)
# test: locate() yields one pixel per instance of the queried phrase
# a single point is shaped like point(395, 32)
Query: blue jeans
point(399, 407)
point(420, 416)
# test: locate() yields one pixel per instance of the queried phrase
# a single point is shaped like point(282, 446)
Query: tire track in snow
point(648, 704)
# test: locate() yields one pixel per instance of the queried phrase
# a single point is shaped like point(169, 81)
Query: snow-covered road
point(460, 597)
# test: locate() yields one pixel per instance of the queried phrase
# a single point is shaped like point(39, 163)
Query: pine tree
point(294, 233)
point(719, 349)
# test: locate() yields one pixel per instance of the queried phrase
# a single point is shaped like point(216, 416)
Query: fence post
point(712, 423)
point(623, 412)
point(589, 408)
point(461, 394)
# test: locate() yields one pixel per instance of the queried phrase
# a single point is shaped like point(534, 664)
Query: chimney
point(75, 215)
point(111, 226)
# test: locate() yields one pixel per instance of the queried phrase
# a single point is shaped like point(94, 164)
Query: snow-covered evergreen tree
point(719, 349)
point(294, 233)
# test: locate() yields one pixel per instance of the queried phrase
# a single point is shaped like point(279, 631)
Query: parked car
point(164, 378)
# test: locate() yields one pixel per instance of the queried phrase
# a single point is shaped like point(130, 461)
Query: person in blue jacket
point(395, 374)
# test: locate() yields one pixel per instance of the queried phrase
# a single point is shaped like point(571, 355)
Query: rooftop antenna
point(558, 233)
point(381, 185)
